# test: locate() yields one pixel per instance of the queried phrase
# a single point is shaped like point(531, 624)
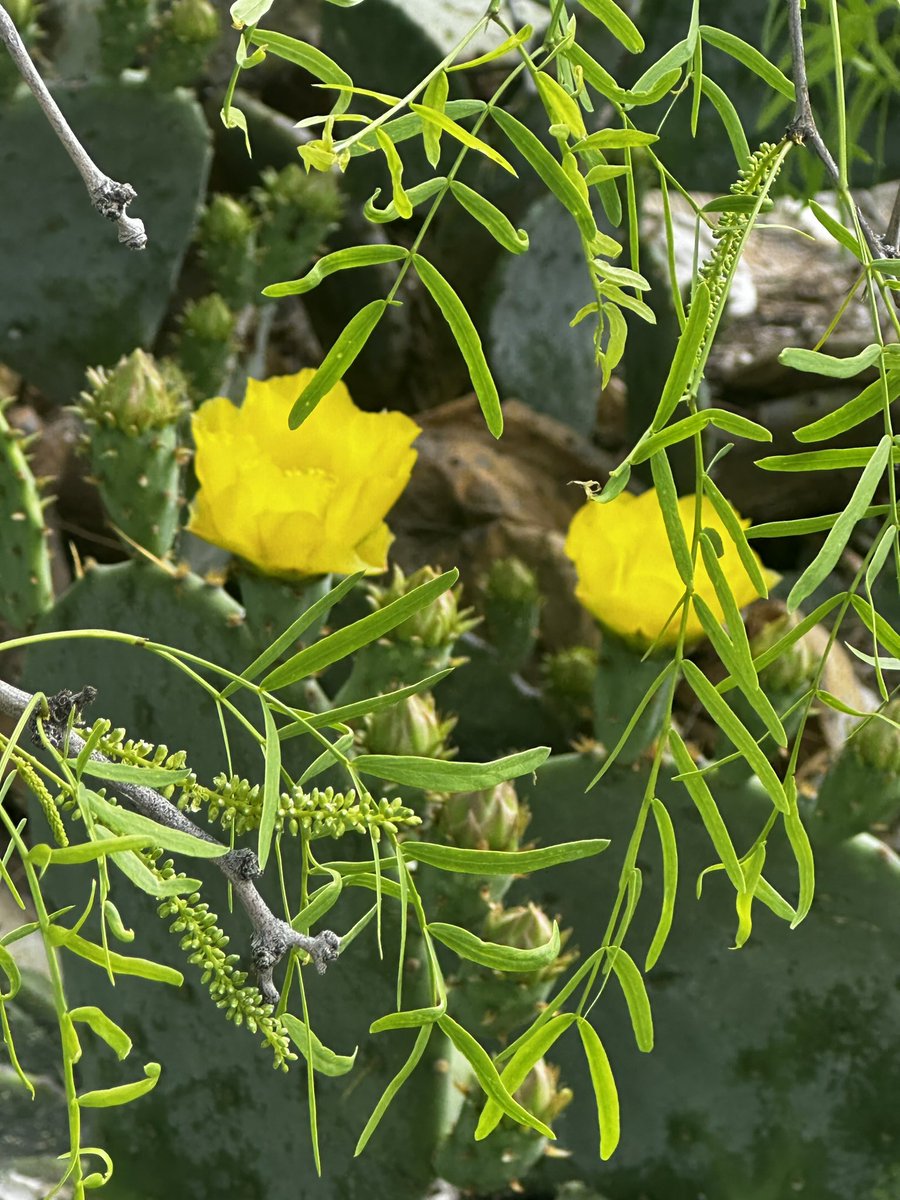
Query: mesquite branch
point(803, 129)
point(108, 196)
point(272, 938)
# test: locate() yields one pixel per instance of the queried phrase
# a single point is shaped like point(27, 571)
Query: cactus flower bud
point(136, 395)
point(135, 456)
point(440, 624)
point(204, 344)
point(227, 237)
point(411, 727)
point(877, 744)
point(512, 607)
point(795, 668)
point(226, 222)
point(185, 36)
point(193, 21)
point(492, 819)
point(569, 675)
point(526, 926)
point(540, 1092)
point(297, 211)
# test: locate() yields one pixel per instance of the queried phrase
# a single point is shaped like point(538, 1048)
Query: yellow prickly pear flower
point(626, 573)
point(302, 502)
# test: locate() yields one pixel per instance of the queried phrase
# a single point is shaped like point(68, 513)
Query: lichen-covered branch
point(272, 938)
point(108, 196)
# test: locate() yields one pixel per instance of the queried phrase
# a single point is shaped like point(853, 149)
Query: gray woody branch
point(272, 938)
point(109, 197)
point(803, 129)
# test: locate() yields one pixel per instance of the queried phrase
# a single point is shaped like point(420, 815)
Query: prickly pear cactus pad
point(82, 301)
point(773, 1065)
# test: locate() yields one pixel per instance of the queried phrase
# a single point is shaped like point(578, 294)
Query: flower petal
point(626, 573)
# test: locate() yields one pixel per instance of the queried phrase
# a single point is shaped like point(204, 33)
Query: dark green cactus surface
point(84, 300)
point(775, 1069)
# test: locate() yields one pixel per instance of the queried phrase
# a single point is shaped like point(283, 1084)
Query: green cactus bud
point(569, 678)
point(185, 36)
point(124, 27)
point(227, 238)
point(440, 624)
point(878, 742)
point(541, 1093)
point(136, 395)
point(132, 413)
point(502, 1003)
point(411, 727)
point(492, 819)
point(27, 589)
point(205, 343)
point(227, 222)
point(795, 668)
point(512, 607)
point(525, 926)
point(296, 213)
point(862, 787)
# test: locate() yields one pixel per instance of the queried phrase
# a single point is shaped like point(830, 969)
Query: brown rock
point(473, 499)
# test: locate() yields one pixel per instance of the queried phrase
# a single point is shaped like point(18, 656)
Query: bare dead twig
point(803, 129)
point(109, 197)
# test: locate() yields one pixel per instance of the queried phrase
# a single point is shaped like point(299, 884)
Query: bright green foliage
point(738, 844)
point(27, 588)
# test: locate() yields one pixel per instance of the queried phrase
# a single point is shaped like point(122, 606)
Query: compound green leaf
point(825, 561)
point(360, 633)
point(486, 1074)
point(437, 775)
point(494, 221)
point(338, 360)
point(493, 955)
point(466, 336)
point(340, 260)
point(501, 862)
point(604, 1085)
point(114, 1096)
